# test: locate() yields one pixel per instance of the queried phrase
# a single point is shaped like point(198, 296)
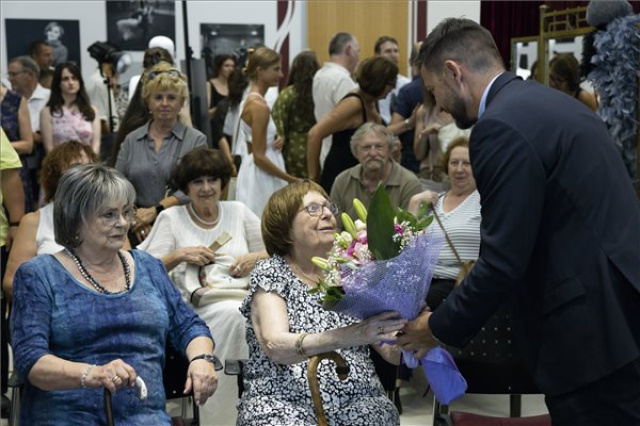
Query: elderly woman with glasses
point(93, 316)
point(286, 325)
point(148, 154)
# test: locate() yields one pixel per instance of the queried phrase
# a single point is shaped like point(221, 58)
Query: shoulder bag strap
point(446, 236)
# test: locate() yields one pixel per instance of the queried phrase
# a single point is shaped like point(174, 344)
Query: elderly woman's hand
point(202, 379)
point(243, 265)
point(114, 375)
point(429, 197)
point(197, 255)
point(379, 328)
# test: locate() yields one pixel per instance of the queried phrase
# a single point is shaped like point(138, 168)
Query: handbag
point(465, 266)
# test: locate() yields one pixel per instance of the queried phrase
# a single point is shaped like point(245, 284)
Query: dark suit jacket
point(560, 238)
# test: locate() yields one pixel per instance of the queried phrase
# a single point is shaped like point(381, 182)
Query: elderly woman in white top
point(182, 237)
point(459, 212)
point(35, 235)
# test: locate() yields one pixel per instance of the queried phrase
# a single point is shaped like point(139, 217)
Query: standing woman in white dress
point(262, 171)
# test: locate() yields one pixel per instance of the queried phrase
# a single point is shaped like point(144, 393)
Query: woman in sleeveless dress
point(376, 77)
point(262, 171)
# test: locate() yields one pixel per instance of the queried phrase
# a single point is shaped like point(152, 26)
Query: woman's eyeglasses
point(111, 217)
point(316, 209)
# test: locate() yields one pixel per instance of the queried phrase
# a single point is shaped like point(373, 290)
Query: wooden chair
point(491, 365)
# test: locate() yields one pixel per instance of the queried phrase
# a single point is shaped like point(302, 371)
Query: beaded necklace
point(96, 285)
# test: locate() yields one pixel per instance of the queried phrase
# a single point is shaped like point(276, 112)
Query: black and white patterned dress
point(277, 394)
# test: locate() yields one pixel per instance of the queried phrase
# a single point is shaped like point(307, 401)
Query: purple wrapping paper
point(442, 373)
point(401, 284)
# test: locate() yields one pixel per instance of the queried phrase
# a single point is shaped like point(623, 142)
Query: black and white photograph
point(62, 35)
point(233, 39)
point(131, 24)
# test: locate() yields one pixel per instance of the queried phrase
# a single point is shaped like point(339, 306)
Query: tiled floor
point(418, 411)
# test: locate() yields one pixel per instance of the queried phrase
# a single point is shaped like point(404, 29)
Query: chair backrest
point(491, 363)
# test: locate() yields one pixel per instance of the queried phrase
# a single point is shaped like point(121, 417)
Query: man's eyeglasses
point(110, 218)
point(15, 73)
point(316, 209)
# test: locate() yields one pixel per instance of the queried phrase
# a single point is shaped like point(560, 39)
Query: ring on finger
point(380, 330)
point(114, 379)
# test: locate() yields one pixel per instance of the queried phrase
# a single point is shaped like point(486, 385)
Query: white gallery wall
point(93, 26)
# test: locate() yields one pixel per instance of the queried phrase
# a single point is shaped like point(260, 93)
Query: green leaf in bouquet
point(422, 210)
point(425, 222)
point(405, 216)
point(329, 304)
point(380, 227)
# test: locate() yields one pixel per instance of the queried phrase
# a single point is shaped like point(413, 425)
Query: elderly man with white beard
point(373, 145)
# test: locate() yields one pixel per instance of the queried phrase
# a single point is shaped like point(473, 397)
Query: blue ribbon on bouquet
point(442, 373)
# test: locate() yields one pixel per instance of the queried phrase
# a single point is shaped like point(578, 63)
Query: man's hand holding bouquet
point(384, 261)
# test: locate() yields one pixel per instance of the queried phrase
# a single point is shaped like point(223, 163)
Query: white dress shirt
point(330, 84)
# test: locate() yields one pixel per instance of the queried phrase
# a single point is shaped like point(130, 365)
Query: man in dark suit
point(560, 233)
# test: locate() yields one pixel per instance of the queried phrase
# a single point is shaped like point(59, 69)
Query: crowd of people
point(221, 270)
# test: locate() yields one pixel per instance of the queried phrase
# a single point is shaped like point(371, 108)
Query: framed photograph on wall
point(233, 39)
point(63, 36)
point(131, 24)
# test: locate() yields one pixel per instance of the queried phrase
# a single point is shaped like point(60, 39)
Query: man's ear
point(452, 69)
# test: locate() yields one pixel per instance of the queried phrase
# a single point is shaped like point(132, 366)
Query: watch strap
point(211, 358)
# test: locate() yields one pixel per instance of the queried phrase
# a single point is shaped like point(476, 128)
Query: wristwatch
point(159, 208)
point(211, 358)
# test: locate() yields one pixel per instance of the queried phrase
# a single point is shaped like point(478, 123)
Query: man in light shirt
point(333, 81)
point(23, 75)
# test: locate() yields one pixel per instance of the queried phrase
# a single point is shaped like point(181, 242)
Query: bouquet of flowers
point(384, 261)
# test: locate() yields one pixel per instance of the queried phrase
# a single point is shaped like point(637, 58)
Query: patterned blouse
point(9, 117)
point(279, 395)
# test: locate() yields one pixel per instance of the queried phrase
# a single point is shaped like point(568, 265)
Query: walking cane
point(342, 370)
point(108, 409)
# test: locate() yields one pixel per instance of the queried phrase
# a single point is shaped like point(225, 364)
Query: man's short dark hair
point(339, 42)
point(382, 40)
point(34, 48)
point(462, 40)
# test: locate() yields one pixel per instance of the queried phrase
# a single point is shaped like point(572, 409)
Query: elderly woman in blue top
point(148, 154)
point(93, 316)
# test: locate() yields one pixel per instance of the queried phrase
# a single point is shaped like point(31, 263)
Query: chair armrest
point(14, 380)
point(233, 367)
